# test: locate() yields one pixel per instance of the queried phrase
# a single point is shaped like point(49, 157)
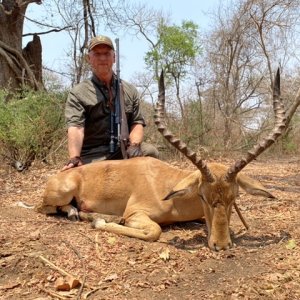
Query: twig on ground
point(61, 271)
point(86, 236)
point(53, 294)
point(91, 292)
point(83, 266)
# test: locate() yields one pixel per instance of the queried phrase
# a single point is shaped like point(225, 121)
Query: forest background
point(219, 76)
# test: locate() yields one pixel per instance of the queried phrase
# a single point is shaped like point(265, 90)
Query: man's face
point(101, 59)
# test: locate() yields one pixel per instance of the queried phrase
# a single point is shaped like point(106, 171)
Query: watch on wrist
point(75, 161)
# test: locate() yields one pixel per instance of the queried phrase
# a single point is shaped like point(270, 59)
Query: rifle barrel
point(118, 58)
point(117, 101)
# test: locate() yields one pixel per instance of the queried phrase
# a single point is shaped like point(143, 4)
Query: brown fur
point(134, 190)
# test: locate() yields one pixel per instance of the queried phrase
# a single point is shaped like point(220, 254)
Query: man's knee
point(149, 150)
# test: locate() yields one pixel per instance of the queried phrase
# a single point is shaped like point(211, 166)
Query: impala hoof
point(73, 214)
point(98, 223)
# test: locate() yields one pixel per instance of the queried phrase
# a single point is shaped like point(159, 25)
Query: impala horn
point(159, 119)
point(279, 127)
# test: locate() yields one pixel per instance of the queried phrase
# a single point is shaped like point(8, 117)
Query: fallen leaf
point(111, 240)
point(291, 244)
point(192, 251)
point(61, 285)
point(73, 282)
point(165, 254)
point(51, 278)
point(111, 277)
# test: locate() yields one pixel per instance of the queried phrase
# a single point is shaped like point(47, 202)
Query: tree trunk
point(33, 55)
point(18, 68)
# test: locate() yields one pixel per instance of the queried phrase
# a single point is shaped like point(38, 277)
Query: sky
point(132, 50)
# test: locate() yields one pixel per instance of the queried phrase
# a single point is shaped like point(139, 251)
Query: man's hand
point(72, 163)
point(134, 150)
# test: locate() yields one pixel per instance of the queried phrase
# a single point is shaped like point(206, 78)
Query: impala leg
point(241, 216)
point(138, 225)
point(71, 211)
point(92, 216)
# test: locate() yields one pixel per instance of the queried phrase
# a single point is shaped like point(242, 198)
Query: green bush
point(31, 123)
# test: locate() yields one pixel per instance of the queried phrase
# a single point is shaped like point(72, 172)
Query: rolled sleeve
point(74, 111)
point(132, 105)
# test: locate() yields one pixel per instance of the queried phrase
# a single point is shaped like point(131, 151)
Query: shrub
point(31, 123)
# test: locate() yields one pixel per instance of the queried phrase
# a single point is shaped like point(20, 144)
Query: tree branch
point(23, 63)
point(46, 32)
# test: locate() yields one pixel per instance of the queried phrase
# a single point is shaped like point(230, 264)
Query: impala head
point(217, 184)
point(217, 198)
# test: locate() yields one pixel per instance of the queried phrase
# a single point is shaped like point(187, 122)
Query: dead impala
point(130, 194)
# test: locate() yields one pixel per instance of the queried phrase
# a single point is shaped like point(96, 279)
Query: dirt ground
point(38, 250)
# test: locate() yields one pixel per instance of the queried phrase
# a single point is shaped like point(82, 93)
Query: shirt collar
point(101, 83)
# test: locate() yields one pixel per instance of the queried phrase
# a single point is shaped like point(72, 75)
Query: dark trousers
point(102, 153)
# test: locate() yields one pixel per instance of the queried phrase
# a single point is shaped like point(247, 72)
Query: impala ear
point(252, 186)
point(185, 186)
point(176, 194)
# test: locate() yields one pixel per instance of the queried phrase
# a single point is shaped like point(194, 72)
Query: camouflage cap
point(100, 40)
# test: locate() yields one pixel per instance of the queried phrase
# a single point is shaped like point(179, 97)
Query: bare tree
point(244, 47)
point(18, 67)
point(85, 19)
point(80, 19)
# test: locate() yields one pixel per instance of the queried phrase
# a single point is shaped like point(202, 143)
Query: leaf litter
point(37, 252)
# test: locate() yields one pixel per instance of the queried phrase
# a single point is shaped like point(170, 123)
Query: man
point(90, 113)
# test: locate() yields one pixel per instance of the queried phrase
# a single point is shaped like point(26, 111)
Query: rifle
point(120, 120)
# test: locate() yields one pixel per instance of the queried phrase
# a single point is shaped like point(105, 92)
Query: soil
point(37, 250)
